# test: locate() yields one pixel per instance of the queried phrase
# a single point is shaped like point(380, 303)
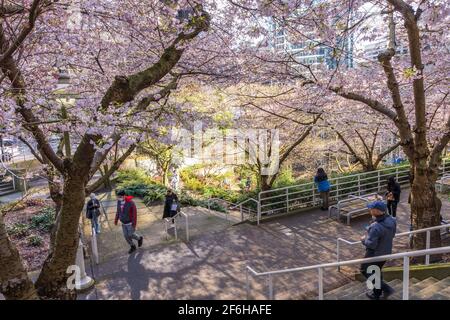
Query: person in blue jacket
point(378, 242)
point(323, 186)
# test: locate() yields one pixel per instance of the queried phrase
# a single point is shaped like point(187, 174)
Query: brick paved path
point(212, 264)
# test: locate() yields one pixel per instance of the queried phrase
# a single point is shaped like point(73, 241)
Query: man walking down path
point(127, 214)
point(93, 212)
point(393, 196)
point(378, 242)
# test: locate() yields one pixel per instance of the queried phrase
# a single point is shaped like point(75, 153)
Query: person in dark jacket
point(393, 196)
point(323, 186)
point(93, 212)
point(378, 242)
point(127, 214)
point(171, 204)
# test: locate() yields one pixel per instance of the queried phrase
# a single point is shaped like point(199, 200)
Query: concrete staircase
point(427, 289)
point(6, 185)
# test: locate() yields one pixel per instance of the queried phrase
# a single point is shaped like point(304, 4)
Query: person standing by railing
point(393, 196)
point(171, 205)
point(323, 186)
point(378, 242)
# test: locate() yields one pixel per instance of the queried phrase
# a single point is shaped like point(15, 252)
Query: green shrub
point(18, 229)
point(155, 192)
point(35, 241)
point(284, 179)
point(44, 220)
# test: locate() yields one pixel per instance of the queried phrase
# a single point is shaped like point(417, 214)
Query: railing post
point(94, 245)
point(270, 287)
point(258, 213)
point(247, 283)
point(287, 199)
point(313, 194)
point(166, 229)
point(176, 231)
point(405, 278)
point(379, 186)
point(359, 185)
point(187, 227)
point(320, 284)
point(396, 174)
point(338, 253)
point(427, 246)
point(337, 189)
point(242, 213)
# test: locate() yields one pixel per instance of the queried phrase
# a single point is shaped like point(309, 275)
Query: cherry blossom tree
point(112, 64)
point(409, 89)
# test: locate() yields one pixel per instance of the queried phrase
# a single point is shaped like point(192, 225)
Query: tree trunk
point(51, 283)
point(165, 175)
point(265, 183)
point(425, 211)
point(14, 281)
point(107, 182)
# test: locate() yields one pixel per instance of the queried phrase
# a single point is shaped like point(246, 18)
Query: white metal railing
point(14, 176)
point(94, 245)
point(242, 209)
point(231, 206)
point(445, 180)
point(168, 221)
point(320, 267)
point(408, 233)
point(305, 195)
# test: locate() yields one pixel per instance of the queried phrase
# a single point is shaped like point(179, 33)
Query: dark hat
point(120, 193)
point(380, 205)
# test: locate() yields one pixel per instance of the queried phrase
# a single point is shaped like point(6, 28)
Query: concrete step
point(395, 284)
point(415, 285)
point(6, 192)
point(6, 187)
point(446, 293)
point(333, 293)
point(350, 293)
point(432, 290)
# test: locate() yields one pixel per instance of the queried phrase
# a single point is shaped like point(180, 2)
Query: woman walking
point(323, 186)
point(171, 205)
point(393, 196)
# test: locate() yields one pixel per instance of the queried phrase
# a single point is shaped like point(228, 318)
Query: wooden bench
point(352, 206)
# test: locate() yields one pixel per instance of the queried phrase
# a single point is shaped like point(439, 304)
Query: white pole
point(85, 281)
point(427, 257)
point(405, 278)
point(94, 245)
point(270, 287)
point(187, 227)
point(320, 284)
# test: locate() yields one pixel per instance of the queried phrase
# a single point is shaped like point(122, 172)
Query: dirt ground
point(33, 255)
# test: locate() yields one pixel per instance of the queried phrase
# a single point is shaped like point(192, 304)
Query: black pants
point(325, 198)
point(392, 207)
point(384, 286)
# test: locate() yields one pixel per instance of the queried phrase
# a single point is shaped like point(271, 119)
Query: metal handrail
point(280, 199)
point(235, 205)
point(174, 218)
point(320, 267)
point(407, 233)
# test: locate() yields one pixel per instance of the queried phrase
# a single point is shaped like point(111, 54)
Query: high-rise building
point(312, 51)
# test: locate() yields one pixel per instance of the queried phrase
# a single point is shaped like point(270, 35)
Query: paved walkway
point(212, 264)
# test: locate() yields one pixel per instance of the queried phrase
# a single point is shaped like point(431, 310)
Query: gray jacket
point(380, 235)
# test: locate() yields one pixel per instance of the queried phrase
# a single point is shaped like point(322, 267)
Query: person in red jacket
point(127, 214)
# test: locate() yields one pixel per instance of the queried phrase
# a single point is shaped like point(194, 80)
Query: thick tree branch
point(111, 170)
